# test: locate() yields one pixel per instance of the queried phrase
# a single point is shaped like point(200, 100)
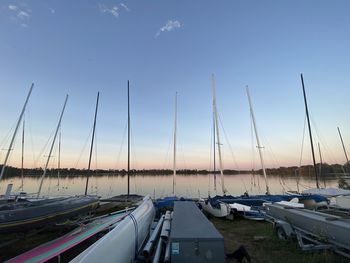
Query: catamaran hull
point(35, 214)
point(123, 243)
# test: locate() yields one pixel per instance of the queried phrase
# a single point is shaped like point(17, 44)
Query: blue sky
point(81, 47)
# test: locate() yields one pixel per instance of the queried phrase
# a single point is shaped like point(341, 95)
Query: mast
point(342, 142)
point(174, 160)
point(310, 133)
point(14, 134)
point(218, 137)
point(128, 138)
point(59, 159)
point(22, 172)
point(53, 143)
point(320, 167)
point(258, 141)
point(214, 147)
point(92, 144)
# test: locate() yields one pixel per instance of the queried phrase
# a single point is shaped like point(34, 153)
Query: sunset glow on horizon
point(164, 47)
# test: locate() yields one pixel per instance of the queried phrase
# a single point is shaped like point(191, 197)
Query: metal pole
point(342, 142)
point(258, 142)
point(59, 158)
point(53, 143)
point(174, 160)
point(319, 151)
point(22, 172)
point(14, 134)
point(128, 138)
point(310, 133)
point(218, 137)
point(214, 149)
point(92, 144)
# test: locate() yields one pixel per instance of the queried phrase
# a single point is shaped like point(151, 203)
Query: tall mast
point(128, 138)
point(92, 144)
point(174, 160)
point(258, 141)
point(319, 152)
point(218, 137)
point(22, 172)
point(14, 134)
point(342, 142)
point(59, 159)
point(214, 147)
point(53, 143)
point(310, 133)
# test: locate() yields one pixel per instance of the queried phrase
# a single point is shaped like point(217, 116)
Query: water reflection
point(161, 185)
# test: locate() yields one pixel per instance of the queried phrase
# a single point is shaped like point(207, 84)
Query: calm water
point(160, 186)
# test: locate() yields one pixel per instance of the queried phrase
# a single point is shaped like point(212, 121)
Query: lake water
point(161, 185)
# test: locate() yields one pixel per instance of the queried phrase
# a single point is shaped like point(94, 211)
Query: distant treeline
point(304, 171)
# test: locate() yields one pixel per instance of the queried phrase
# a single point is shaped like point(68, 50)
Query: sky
point(163, 47)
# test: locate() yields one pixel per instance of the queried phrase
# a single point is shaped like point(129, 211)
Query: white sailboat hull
point(327, 192)
point(223, 211)
point(125, 240)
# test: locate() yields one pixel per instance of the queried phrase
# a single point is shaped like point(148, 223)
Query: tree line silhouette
point(303, 171)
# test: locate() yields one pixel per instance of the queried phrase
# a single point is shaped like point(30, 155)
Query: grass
point(263, 245)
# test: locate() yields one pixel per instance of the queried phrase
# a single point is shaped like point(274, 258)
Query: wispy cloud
point(113, 10)
point(125, 7)
point(52, 10)
point(23, 15)
point(169, 26)
point(20, 14)
point(13, 7)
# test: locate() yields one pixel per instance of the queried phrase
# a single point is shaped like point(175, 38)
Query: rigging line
point(301, 155)
point(229, 144)
point(43, 149)
point(210, 158)
point(83, 149)
point(96, 162)
point(133, 155)
point(180, 148)
point(31, 136)
point(166, 161)
point(323, 142)
point(7, 138)
point(117, 163)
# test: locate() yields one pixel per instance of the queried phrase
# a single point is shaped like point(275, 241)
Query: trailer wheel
point(281, 234)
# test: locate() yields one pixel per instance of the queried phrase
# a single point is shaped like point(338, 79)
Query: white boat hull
point(223, 211)
point(125, 240)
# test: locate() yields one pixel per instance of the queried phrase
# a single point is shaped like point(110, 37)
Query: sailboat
point(122, 198)
point(42, 211)
point(244, 204)
point(169, 200)
point(217, 208)
point(327, 192)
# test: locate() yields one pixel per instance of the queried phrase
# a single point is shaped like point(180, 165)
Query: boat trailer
point(312, 230)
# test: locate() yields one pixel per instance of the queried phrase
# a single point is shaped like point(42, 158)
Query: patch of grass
point(264, 246)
